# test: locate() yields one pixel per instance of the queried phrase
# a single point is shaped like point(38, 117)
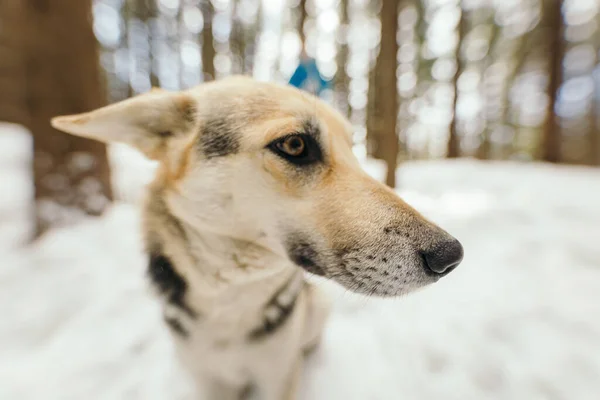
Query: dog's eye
point(293, 146)
point(298, 149)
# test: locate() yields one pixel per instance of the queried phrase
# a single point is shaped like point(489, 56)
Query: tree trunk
point(145, 11)
point(208, 45)
point(551, 151)
point(453, 139)
point(385, 92)
point(373, 141)
point(342, 80)
point(13, 80)
point(594, 130)
point(251, 37)
point(594, 133)
point(519, 55)
point(59, 62)
point(301, 20)
point(237, 40)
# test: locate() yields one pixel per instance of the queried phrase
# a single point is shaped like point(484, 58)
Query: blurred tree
point(594, 128)
point(252, 37)
point(453, 139)
point(495, 90)
point(373, 113)
point(503, 66)
point(127, 14)
point(384, 110)
point(594, 132)
point(13, 77)
point(53, 50)
point(342, 81)
point(374, 147)
point(144, 12)
point(208, 45)
point(594, 103)
point(551, 134)
point(302, 17)
point(237, 40)
point(512, 55)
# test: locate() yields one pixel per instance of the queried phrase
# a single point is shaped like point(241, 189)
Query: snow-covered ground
point(518, 320)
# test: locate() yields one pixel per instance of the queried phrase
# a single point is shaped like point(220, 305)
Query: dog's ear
point(145, 122)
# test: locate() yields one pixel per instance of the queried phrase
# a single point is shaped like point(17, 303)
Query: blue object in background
point(308, 77)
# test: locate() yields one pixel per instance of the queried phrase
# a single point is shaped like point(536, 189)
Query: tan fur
point(237, 220)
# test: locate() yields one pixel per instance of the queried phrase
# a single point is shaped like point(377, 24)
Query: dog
point(256, 185)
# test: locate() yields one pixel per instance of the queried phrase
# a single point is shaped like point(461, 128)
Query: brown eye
point(292, 145)
point(298, 149)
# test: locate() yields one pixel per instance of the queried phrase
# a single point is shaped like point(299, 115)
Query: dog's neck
point(219, 272)
point(226, 262)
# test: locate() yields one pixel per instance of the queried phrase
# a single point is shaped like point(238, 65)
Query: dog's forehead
point(239, 111)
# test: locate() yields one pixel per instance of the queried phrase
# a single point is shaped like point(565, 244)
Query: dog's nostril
point(445, 257)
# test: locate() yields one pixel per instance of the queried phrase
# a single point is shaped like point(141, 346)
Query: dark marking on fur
point(269, 326)
point(303, 254)
point(238, 262)
point(218, 138)
point(311, 127)
point(341, 253)
point(248, 392)
point(169, 282)
point(188, 111)
point(396, 231)
point(170, 224)
point(176, 326)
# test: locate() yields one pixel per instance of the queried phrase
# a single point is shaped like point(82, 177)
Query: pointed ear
point(145, 122)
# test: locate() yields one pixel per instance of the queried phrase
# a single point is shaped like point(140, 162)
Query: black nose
point(444, 257)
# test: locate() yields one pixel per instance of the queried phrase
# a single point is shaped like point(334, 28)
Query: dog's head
point(273, 165)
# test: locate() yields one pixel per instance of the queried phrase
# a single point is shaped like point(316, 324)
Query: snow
point(16, 188)
point(519, 319)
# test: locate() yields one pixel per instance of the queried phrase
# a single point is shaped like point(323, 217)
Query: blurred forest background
point(419, 79)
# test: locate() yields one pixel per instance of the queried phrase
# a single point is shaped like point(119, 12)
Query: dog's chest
point(225, 333)
point(207, 353)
